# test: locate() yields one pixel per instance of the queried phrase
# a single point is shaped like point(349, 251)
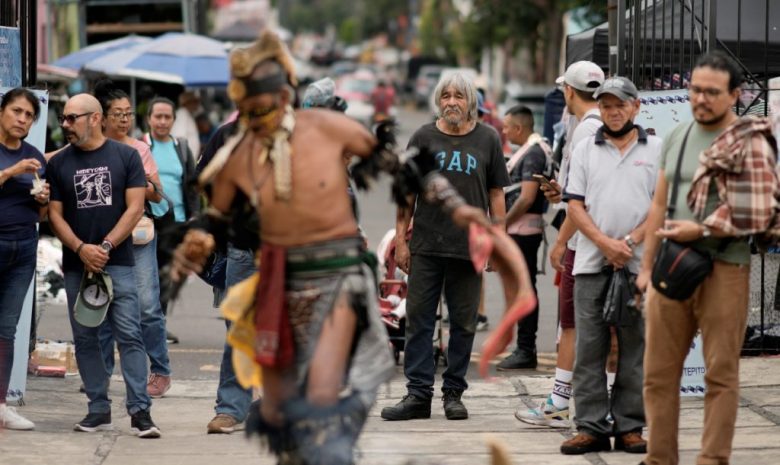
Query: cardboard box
point(51, 358)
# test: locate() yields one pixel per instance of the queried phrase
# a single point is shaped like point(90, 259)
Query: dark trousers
point(527, 327)
point(461, 284)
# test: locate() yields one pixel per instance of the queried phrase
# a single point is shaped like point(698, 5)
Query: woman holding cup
point(24, 197)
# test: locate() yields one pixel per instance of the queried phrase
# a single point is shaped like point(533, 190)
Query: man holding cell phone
point(525, 206)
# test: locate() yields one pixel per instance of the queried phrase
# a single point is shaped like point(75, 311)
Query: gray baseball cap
point(618, 86)
point(95, 295)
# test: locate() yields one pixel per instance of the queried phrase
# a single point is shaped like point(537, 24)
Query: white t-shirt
point(587, 127)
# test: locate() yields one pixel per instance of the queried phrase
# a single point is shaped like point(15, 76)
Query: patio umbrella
point(76, 60)
point(190, 60)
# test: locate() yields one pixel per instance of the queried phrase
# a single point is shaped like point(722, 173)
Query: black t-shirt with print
point(91, 186)
point(474, 164)
point(533, 162)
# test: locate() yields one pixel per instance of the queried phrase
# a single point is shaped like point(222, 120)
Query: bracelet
point(78, 249)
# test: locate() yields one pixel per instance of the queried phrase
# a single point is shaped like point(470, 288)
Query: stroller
point(392, 302)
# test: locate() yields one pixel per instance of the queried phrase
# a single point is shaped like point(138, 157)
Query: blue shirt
point(19, 208)
point(171, 172)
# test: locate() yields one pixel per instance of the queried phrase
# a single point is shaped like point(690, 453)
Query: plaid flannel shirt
point(742, 163)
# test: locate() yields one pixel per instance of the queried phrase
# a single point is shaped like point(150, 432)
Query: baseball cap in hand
point(95, 295)
point(582, 75)
point(618, 86)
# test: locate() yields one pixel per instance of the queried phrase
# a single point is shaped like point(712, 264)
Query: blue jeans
point(124, 317)
point(232, 399)
point(152, 319)
point(462, 290)
point(17, 267)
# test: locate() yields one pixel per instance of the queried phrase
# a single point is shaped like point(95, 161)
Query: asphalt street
point(201, 331)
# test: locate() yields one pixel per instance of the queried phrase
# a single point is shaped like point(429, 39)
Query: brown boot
point(632, 442)
point(583, 443)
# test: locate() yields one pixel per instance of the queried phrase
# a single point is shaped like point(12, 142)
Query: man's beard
point(452, 116)
point(80, 140)
point(712, 121)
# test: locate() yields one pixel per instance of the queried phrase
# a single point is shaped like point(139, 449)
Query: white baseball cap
point(582, 75)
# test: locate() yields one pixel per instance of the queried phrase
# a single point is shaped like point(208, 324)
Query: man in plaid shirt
point(728, 171)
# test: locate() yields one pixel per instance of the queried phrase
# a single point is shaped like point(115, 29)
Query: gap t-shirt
point(91, 186)
point(473, 163)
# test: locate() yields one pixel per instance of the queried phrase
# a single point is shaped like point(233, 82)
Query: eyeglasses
point(119, 115)
point(71, 118)
point(709, 93)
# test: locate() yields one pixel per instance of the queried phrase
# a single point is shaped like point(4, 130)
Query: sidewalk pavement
point(55, 405)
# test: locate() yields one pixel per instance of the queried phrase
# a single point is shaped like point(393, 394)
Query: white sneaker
point(546, 415)
point(9, 419)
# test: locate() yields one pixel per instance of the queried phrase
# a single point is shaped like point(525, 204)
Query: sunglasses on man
point(71, 118)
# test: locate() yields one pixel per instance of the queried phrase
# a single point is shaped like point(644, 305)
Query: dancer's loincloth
point(313, 279)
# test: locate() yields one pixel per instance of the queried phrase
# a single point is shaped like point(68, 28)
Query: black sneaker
point(142, 424)
point(94, 422)
point(518, 360)
point(409, 408)
point(453, 406)
point(171, 338)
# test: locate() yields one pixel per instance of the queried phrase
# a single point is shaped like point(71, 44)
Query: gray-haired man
point(469, 155)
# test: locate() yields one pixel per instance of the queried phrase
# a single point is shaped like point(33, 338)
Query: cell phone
point(543, 180)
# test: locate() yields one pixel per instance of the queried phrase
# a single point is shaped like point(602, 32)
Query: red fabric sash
point(274, 345)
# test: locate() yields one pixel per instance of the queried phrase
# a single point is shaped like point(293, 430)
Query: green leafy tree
point(355, 19)
point(534, 24)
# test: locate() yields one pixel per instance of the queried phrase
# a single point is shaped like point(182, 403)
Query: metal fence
point(658, 43)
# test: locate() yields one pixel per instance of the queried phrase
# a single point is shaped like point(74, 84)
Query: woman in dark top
point(23, 199)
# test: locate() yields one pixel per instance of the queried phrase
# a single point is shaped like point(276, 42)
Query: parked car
point(532, 96)
point(356, 90)
point(426, 81)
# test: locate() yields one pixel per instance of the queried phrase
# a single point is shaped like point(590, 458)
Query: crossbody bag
point(679, 268)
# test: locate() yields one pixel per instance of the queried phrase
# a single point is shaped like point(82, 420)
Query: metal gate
point(658, 43)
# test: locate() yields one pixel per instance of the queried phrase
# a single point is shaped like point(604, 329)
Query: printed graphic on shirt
point(462, 163)
point(93, 187)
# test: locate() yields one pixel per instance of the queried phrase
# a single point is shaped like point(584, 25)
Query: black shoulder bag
point(679, 268)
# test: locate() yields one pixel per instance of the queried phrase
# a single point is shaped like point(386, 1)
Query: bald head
point(82, 103)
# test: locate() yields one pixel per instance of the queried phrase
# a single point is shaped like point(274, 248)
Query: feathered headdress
point(243, 62)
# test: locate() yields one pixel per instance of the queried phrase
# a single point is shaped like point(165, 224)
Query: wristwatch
point(629, 241)
point(107, 246)
point(705, 232)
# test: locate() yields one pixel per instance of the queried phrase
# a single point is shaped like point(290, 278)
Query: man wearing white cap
point(579, 82)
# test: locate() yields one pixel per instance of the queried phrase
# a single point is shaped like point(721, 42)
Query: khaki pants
point(719, 309)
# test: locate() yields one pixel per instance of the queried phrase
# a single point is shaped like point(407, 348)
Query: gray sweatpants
point(590, 381)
